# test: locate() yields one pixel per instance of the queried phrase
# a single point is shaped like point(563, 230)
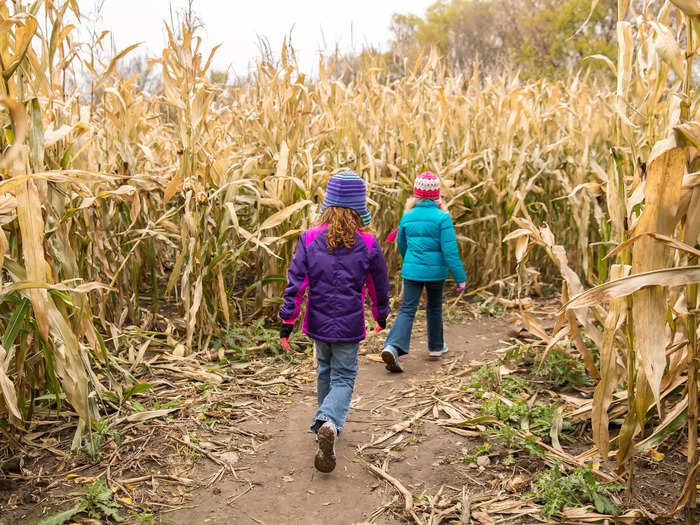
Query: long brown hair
point(342, 225)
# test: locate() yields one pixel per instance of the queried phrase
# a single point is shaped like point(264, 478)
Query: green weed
point(145, 516)
point(97, 504)
point(238, 340)
point(485, 378)
point(207, 385)
point(580, 488)
point(99, 434)
point(173, 403)
point(562, 369)
point(488, 379)
point(469, 457)
point(491, 308)
point(512, 439)
point(517, 353)
point(415, 440)
point(538, 419)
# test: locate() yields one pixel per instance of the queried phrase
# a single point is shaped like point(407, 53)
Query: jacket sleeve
point(378, 283)
point(401, 243)
point(297, 283)
point(450, 250)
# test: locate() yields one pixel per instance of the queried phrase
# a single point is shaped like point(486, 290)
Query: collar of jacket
point(427, 204)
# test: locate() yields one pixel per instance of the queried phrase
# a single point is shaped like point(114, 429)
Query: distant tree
point(541, 37)
point(462, 30)
point(555, 39)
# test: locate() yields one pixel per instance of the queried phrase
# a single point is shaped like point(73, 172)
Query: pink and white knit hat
point(427, 186)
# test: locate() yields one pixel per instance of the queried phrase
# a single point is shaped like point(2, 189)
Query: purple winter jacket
point(336, 283)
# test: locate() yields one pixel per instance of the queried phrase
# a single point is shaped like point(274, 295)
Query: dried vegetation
point(139, 229)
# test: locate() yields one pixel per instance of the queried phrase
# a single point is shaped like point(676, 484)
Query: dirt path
point(280, 485)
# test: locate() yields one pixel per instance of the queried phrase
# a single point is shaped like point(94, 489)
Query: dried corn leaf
point(609, 380)
point(662, 196)
point(31, 223)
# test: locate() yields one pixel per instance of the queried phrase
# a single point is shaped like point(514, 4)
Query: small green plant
point(538, 419)
point(239, 340)
point(98, 504)
point(127, 393)
point(556, 491)
point(469, 457)
point(173, 403)
point(514, 385)
point(517, 353)
point(280, 390)
point(562, 369)
point(95, 439)
point(145, 516)
point(207, 385)
point(490, 307)
point(488, 378)
point(415, 439)
point(513, 439)
point(485, 378)
point(508, 460)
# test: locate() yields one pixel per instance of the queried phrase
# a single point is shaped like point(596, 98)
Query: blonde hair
point(342, 225)
point(412, 201)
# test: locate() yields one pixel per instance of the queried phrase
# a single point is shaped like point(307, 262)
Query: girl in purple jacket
point(335, 264)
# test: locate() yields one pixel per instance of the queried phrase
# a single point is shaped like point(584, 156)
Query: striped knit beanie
point(347, 190)
point(427, 186)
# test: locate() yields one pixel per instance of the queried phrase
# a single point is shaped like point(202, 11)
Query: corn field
point(643, 317)
point(125, 209)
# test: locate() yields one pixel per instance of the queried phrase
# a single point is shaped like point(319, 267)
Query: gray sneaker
point(437, 354)
point(391, 358)
point(325, 456)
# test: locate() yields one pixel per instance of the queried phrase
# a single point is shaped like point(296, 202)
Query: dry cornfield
point(120, 208)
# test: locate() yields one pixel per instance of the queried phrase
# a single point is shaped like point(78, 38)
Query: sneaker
point(391, 358)
point(437, 354)
point(325, 457)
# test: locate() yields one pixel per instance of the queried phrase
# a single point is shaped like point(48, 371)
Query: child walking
point(427, 242)
point(337, 261)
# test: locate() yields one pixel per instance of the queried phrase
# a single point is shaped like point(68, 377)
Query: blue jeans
point(400, 334)
point(337, 370)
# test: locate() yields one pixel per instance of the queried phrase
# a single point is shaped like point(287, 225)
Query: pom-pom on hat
point(347, 190)
point(427, 186)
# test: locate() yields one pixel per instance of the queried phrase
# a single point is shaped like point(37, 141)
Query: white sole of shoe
point(392, 362)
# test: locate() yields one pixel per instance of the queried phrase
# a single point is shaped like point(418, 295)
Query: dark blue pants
point(400, 333)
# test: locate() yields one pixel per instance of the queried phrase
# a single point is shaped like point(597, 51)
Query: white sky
point(236, 24)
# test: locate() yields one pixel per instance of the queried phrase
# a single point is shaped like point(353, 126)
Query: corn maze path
point(279, 483)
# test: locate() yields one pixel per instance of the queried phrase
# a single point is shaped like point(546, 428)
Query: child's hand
point(381, 325)
point(461, 286)
point(285, 332)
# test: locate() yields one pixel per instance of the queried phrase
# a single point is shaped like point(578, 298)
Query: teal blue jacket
point(428, 245)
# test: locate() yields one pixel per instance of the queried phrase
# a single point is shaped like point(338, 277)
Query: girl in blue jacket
point(427, 242)
point(335, 264)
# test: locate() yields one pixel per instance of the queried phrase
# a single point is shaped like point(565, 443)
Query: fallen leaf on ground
point(516, 483)
point(230, 457)
point(482, 518)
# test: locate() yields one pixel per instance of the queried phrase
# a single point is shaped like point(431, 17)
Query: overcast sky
point(237, 24)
